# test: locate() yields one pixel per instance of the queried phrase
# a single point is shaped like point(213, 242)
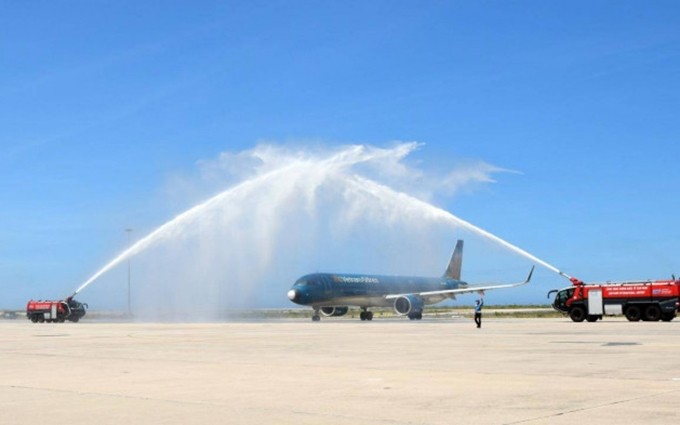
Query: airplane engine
point(334, 311)
point(408, 304)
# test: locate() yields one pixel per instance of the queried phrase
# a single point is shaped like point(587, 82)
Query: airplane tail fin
point(456, 263)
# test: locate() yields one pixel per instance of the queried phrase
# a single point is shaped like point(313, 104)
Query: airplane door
point(595, 302)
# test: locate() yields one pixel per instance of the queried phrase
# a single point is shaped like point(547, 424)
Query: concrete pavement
point(511, 371)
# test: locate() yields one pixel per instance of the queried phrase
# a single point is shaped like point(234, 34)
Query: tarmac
point(341, 371)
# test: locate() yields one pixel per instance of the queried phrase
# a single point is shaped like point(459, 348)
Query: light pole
point(129, 304)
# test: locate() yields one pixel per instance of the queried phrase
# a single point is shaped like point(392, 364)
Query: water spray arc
point(174, 226)
point(304, 177)
point(385, 192)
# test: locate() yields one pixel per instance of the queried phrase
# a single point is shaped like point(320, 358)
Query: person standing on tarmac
point(478, 312)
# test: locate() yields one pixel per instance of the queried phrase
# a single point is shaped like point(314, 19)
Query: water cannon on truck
point(645, 300)
point(55, 311)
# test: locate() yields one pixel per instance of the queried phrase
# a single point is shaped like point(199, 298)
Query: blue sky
point(105, 103)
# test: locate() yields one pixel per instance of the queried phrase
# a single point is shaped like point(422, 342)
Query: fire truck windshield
point(561, 298)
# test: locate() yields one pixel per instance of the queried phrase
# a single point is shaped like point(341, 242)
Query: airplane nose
point(292, 294)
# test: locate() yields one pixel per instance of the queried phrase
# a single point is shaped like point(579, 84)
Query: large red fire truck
point(637, 300)
point(55, 311)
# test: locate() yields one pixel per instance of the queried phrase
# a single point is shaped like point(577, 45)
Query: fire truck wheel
point(653, 313)
point(667, 317)
point(577, 314)
point(633, 313)
point(34, 319)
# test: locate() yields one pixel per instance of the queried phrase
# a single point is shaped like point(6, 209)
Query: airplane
point(333, 293)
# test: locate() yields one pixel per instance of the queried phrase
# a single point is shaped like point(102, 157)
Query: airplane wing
point(467, 290)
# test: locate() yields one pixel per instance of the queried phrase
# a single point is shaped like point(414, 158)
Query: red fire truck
point(637, 300)
point(55, 311)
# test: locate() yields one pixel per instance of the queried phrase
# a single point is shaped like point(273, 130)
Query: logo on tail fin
point(456, 263)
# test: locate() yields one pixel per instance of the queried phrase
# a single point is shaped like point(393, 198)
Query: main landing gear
point(416, 316)
point(366, 315)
